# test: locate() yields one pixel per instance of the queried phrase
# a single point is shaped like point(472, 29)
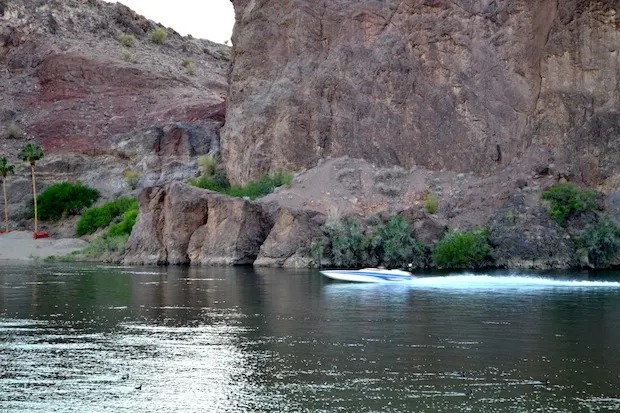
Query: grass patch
point(127, 40)
point(100, 217)
point(468, 249)
point(568, 200)
point(63, 199)
point(101, 248)
point(255, 189)
point(132, 178)
point(431, 203)
point(159, 36)
point(602, 242)
point(189, 66)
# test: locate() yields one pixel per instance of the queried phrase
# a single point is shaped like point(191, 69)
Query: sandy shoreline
point(19, 245)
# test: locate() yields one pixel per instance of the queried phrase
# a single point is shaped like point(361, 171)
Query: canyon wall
point(463, 85)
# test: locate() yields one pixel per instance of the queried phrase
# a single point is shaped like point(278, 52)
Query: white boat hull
point(368, 275)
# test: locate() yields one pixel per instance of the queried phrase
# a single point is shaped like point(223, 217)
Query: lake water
point(95, 338)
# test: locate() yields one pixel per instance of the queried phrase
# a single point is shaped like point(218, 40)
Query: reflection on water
point(132, 339)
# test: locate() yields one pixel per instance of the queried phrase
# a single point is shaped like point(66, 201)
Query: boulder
point(523, 236)
point(427, 228)
point(181, 224)
point(288, 243)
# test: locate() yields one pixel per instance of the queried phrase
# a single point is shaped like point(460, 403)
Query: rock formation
point(463, 85)
point(180, 224)
point(100, 107)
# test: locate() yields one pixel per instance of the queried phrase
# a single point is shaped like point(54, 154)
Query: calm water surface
point(76, 338)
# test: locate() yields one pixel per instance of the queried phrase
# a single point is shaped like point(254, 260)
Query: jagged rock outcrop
point(427, 228)
point(288, 243)
point(464, 85)
point(181, 224)
point(523, 236)
point(98, 107)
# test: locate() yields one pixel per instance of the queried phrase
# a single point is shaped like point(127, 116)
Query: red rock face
point(465, 85)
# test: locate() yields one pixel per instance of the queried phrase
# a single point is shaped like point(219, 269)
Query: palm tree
point(6, 169)
point(31, 154)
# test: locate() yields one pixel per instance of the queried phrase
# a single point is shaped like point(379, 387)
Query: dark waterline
point(93, 338)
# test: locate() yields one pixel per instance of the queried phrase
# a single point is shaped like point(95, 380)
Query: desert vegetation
point(159, 36)
point(101, 217)
point(567, 200)
point(63, 199)
point(467, 249)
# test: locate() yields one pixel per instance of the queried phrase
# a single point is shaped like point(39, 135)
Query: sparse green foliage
point(126, 225)
point(396, 247)
point(431, 203)
point(390, 190)
point(132, 178)
point(100, 217)
point(317, 250)
point(255, 189)
point(64, 199)
point(469, 249)
point(127, 40)
point(207, 165)
point(126, 55)
point(602, 242)
point(226, 42)
point(14, 132)
point(159, 36)
point(189, 66)
point(350, 246)
point(568, 200)
point(102, 248)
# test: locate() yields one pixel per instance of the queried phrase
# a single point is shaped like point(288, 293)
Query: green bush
point(126, 225)
point(101, 217)
point(396, 246)
point(568, 200)
point(317, 249)
point(127, 40)
point(208, 165)
point(350, 246)
point(469, 249)
point(159, 36)
point(255, 189)
point(65, 199)
point(132, 178)
point(189, 66)
point(431, 203)
point(101, 248)
point(602, 242)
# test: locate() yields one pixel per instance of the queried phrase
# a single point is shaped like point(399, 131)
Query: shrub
point(159, 36)
point(350, 247)
point(102, 248)
point(431, 203)
point(126, 225)
point(126, 55)
point(65, 199)
point(189, 66)
point(14, 132)
point(394, 172)
point(255, 189)
point(132, 178)
point(396, 246)
point(208, 165)
point(568, 200)
point(127, 40)
point(316, 251)
point(468, 249)
point(389, 190)
point(602, 242)
point(100, 217)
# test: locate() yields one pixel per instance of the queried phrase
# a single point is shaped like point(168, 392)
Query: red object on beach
point(40, 234)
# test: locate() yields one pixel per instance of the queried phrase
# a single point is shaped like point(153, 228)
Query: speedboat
point(368, 275)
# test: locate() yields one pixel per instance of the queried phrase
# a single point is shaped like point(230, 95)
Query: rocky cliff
point(462, 85)
point(100, 105)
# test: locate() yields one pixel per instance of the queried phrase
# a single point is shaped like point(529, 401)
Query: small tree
point(31, 154)
point(6, 169)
